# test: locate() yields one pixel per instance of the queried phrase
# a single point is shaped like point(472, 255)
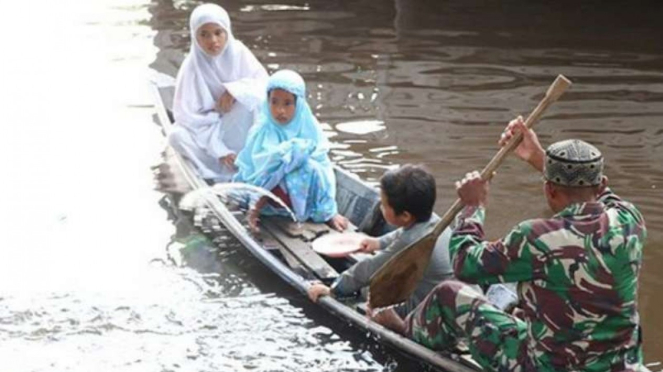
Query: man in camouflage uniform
point(577, 273)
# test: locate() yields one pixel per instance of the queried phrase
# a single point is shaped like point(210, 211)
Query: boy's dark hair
point(410, 188)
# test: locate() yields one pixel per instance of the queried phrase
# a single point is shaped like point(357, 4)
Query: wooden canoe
point(285, 248)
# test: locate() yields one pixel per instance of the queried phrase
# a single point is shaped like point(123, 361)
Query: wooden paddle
point(397, 278)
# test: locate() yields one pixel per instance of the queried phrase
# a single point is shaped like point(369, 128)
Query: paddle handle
point(556, 89)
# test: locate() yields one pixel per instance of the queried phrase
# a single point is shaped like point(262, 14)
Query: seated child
point(287, 152)
point(407, 196)
point(219, 88)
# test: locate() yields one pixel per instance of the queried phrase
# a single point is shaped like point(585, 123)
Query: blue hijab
point(294, 155)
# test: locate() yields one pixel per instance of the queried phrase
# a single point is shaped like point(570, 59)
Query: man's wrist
point(537, 159)
point(468, 211)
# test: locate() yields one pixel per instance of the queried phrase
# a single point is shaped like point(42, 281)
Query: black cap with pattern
point(573, 163)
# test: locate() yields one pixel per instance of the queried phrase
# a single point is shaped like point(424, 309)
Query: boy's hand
point(369, 245)
point(529, 149)
point(472, 190)
point(226, 102)
point(316, 290)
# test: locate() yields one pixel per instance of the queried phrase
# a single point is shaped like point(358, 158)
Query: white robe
point(202, 134)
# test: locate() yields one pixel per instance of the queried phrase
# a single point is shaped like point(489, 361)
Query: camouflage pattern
point(454, 310)
point(578, 279)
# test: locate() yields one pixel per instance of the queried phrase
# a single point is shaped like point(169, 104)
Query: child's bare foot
point(254, 214)
point(338, 223)
point(253, 219)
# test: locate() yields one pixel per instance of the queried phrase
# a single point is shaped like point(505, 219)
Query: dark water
point(86, 282)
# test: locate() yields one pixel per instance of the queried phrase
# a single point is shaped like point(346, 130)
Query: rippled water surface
point(90, 278)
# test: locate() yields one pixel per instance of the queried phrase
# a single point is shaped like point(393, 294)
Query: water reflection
point(183, 323)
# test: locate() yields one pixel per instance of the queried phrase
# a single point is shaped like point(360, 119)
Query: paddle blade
point(399, 276)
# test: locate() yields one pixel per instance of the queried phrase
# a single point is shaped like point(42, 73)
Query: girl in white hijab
point(219, 88)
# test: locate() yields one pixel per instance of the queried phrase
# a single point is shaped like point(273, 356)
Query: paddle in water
point(397, 278)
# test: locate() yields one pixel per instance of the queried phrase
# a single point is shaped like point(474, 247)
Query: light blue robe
point(294, 155)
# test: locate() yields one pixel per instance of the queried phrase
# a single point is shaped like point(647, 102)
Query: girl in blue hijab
point(287, 154)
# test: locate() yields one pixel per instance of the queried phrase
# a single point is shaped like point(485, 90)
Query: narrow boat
point(285, 247)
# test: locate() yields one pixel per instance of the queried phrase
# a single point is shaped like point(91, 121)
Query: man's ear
point(603, 185)
point(551, 192)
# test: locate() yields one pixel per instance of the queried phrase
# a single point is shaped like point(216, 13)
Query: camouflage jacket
point(577, 276)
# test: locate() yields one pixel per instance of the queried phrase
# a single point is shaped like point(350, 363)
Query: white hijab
point(202, 79)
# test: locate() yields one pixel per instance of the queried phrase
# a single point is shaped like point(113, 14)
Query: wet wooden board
point(291, 260)
point(301, 250)
point(307, 231)
point(269, 242)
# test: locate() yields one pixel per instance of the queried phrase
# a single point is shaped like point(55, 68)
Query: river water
point(88, 279)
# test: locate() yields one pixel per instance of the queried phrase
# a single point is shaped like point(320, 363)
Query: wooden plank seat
point(296, 240)
point(307, 231)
